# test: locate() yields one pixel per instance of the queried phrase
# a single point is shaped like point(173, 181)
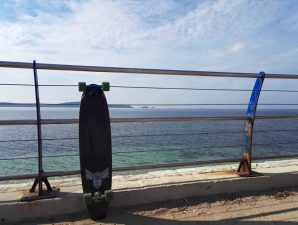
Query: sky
point(219, 35)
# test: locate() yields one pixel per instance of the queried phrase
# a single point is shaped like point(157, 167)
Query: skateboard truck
point(97, 197)
point(105, 86)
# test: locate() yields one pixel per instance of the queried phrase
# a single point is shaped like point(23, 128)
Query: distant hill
point(65, 104)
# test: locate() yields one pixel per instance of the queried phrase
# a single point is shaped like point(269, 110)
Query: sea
point(142, 143)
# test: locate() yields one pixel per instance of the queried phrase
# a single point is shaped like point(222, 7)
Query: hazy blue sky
point(224, 35)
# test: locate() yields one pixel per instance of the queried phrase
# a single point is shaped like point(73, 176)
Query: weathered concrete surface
point(149, 187)
point(268, 208)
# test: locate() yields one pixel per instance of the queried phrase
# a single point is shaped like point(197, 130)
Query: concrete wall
point(71, 202)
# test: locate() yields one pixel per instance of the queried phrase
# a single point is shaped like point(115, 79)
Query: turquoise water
point(142, 143)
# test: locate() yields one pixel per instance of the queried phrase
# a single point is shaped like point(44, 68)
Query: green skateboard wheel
point(105, 86)
point(108, 196)
point(82, 86)
point(87, 199)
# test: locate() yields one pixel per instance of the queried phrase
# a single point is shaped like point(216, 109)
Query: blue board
point(253, 102)
point(250, 113)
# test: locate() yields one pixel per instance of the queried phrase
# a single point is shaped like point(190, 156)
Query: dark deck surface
point(95, 146)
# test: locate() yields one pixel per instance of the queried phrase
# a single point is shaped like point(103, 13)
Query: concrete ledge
point(175, 187)
point(203, 188)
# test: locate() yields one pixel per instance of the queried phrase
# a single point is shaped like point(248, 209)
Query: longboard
point(95, 150)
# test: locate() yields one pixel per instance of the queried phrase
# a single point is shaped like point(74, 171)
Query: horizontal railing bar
point(118, 169)
point(171, 104)
point(150, 104)
point(193, 133)
point(154, 135)
point(33, 122)
point(145, 167)
point(178, 134)
point(163, 104)
point(17, 140)
point(20, 177)
point(180, 88)
point(277, 143)
point(36, 157)
point(279, 90)
point(179, 104)
point(34, 175)
point(205, 147)
point(160, 150)
point(178, 149)
point(275, 157)
point(200, 89)
point(144, 120)
point(126, 152)
point(44, 139)
point(202, 104)
point(13, 84)
point(269, 131)
point(45, 66)
point(19, 158)
point(172, 165)
point(158, 88)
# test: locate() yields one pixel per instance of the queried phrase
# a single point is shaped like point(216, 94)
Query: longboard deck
point(95, 149)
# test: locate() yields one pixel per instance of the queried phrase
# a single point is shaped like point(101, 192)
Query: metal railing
point(44, 66)
point(41, 66)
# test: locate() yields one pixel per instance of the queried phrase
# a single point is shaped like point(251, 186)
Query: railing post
point(39, 136)
point(50, 193)
point(244, 168)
